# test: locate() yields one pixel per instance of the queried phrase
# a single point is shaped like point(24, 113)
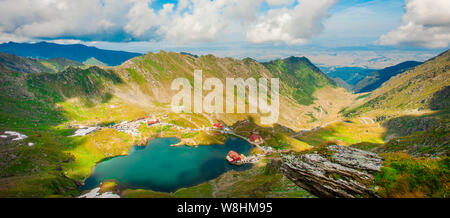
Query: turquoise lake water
point(160, 167)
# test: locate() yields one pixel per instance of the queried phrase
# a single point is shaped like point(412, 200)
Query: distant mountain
point(377, 78)
point(302, 77)
point(30, 65)
point(418, 88)
point(75, 52)
point(351, 75)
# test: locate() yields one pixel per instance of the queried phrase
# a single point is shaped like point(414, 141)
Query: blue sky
point(338, 32)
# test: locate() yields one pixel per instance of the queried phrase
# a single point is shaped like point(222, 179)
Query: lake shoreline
point(204, 175)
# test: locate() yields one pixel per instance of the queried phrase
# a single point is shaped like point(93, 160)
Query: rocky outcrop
point(335, 171)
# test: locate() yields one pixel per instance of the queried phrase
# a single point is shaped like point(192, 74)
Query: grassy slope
point(55, 65)
point(411, 90)
point(30, 65)
point(29, 106)
point(406, 177)
point(301, 77)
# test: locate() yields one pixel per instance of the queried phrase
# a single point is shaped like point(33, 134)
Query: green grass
point(258, 182)
point(138, 78)
point(344, 134)
point(301, 76)
point(141, 193)
point(406, 176)
point(363, 96)
point(199, 191)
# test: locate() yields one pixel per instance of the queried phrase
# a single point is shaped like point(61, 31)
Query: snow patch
point(94, 193)
point(18, 136)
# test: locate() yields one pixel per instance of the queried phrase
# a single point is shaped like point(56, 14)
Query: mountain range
point(362, 80)
point(378, 77)
point(404, 120)
point(351, 75)
point(75, 52)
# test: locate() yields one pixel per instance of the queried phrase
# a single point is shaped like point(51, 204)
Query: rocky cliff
point(335, 171)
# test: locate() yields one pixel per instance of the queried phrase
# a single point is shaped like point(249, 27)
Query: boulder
point(336, 171)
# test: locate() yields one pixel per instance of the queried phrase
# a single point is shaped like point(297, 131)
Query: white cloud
point(60, 18)
point(184, 22)
point(203, 23)
point(207, 20)
point(142, 18)
point(426, 23)
point(291, 26)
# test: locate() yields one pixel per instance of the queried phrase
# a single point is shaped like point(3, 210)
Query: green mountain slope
point(377, 78)
point(19, 64)
point(407, 122)
point(301, 77)
point(60, 64)
point(413, 89)
point(414, 108)
point(30, 65)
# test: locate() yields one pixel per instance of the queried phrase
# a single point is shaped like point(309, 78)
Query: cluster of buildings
point(132, 127)
point(239, 159)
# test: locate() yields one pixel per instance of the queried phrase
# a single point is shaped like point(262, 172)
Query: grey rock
point(343, 174)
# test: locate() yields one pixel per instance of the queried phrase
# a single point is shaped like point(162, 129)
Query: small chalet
point(255, 138)
point(218, 125)
point(153, 121)
point(234, 156)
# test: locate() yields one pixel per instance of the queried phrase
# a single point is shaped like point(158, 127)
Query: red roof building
point(218, 125)
point(234, 155)
point(255, 138)
point(151, 122)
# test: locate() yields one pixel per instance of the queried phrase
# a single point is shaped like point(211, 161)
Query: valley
point(404, 120)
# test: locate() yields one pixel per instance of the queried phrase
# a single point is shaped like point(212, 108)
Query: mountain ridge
point(32, 65)
point(378, 77)
point(76, 52)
